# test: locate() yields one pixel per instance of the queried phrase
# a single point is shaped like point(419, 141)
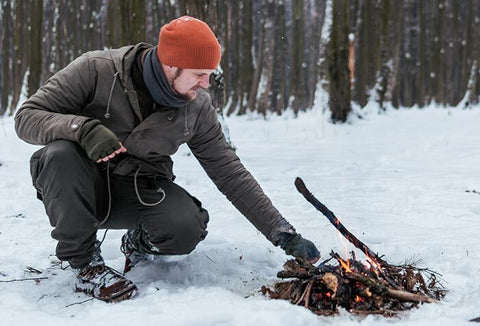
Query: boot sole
point(121, 296)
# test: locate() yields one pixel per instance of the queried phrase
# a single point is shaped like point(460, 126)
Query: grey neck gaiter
point(157, 83)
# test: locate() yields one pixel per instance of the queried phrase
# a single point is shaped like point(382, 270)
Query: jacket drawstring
point(138, 193)
point(107, 112)
point(107, 116)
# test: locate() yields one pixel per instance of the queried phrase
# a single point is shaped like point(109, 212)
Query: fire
point(359, 299)
point(345, 265)
point(375, 267)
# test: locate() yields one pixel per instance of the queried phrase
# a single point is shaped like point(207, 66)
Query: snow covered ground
point(397, 180)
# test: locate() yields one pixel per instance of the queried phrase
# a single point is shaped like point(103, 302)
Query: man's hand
point(295, 245)
point(99, 142)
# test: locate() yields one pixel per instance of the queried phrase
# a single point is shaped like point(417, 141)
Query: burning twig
point(336, 222)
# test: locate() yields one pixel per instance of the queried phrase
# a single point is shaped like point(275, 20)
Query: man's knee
point(62, 151)
point(181, 235)
point(59, 164)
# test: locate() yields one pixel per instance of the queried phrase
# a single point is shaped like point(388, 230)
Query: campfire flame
point(345, 265)
point(359, 299)
point(374, 267)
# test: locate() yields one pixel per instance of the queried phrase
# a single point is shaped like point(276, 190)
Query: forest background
point(276, 54)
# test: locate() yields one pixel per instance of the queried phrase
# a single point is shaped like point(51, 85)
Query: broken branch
point(24, 279)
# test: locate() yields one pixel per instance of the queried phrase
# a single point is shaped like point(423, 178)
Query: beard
point(182, 96)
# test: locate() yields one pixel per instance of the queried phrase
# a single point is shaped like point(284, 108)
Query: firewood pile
point(373, 287)
point(355, 286)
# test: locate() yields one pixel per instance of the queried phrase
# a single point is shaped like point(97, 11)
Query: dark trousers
point(75, 193)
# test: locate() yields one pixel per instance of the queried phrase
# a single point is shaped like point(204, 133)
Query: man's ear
point(170, 69)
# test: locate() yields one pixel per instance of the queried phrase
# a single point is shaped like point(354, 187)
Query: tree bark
point(339, 92)
point(35, 48)
point(7, 57)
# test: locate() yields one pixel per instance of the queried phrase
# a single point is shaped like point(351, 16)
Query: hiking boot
point(132, 255)
point(104, 283)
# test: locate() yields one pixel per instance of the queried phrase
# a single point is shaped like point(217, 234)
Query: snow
point(398, 180)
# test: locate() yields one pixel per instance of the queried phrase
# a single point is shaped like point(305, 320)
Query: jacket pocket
point(157, 119)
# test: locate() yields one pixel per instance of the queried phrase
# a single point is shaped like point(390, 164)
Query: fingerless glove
point(97, 140)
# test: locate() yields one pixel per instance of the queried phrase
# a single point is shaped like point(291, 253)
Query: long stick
point(24, 279)
point(336, 222)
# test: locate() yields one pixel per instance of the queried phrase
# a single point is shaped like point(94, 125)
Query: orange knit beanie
point(188, 43)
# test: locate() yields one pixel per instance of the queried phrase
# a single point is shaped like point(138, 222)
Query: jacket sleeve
point(54, 111)
point(223, 166)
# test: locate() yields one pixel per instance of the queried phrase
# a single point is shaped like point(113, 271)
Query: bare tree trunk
point(137, 21)
point(393, 90)
point(232, 54)
point(267, 64)
point(298, 58)
point(339, 95)
point(385, 70)
point(421, 75)
point(474, 97)
point(279, 98)
point(35, 48)
point(257, 32)
point(18, 55)
point(7, 56)
point(246, 60)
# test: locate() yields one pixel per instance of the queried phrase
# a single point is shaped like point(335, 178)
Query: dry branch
point(24, 279)
point(336, 222)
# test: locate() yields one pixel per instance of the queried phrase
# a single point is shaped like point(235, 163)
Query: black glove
point(295, 245)
point(97, 140)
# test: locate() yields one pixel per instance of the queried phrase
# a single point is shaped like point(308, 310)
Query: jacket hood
point(123, 59)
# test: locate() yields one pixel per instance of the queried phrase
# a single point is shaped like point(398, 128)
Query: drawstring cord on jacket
point(138, 193)
point(107, 111)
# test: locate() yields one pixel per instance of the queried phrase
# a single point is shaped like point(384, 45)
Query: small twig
point(473, 191)
point(213, 261)
point(383, 312)
point(31, 269)
point(43, 296)
point(303, 295)
point(308, 291)
point(81, 302)
point(24, 279)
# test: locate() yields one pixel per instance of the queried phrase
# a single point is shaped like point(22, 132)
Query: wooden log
point(382, 289)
